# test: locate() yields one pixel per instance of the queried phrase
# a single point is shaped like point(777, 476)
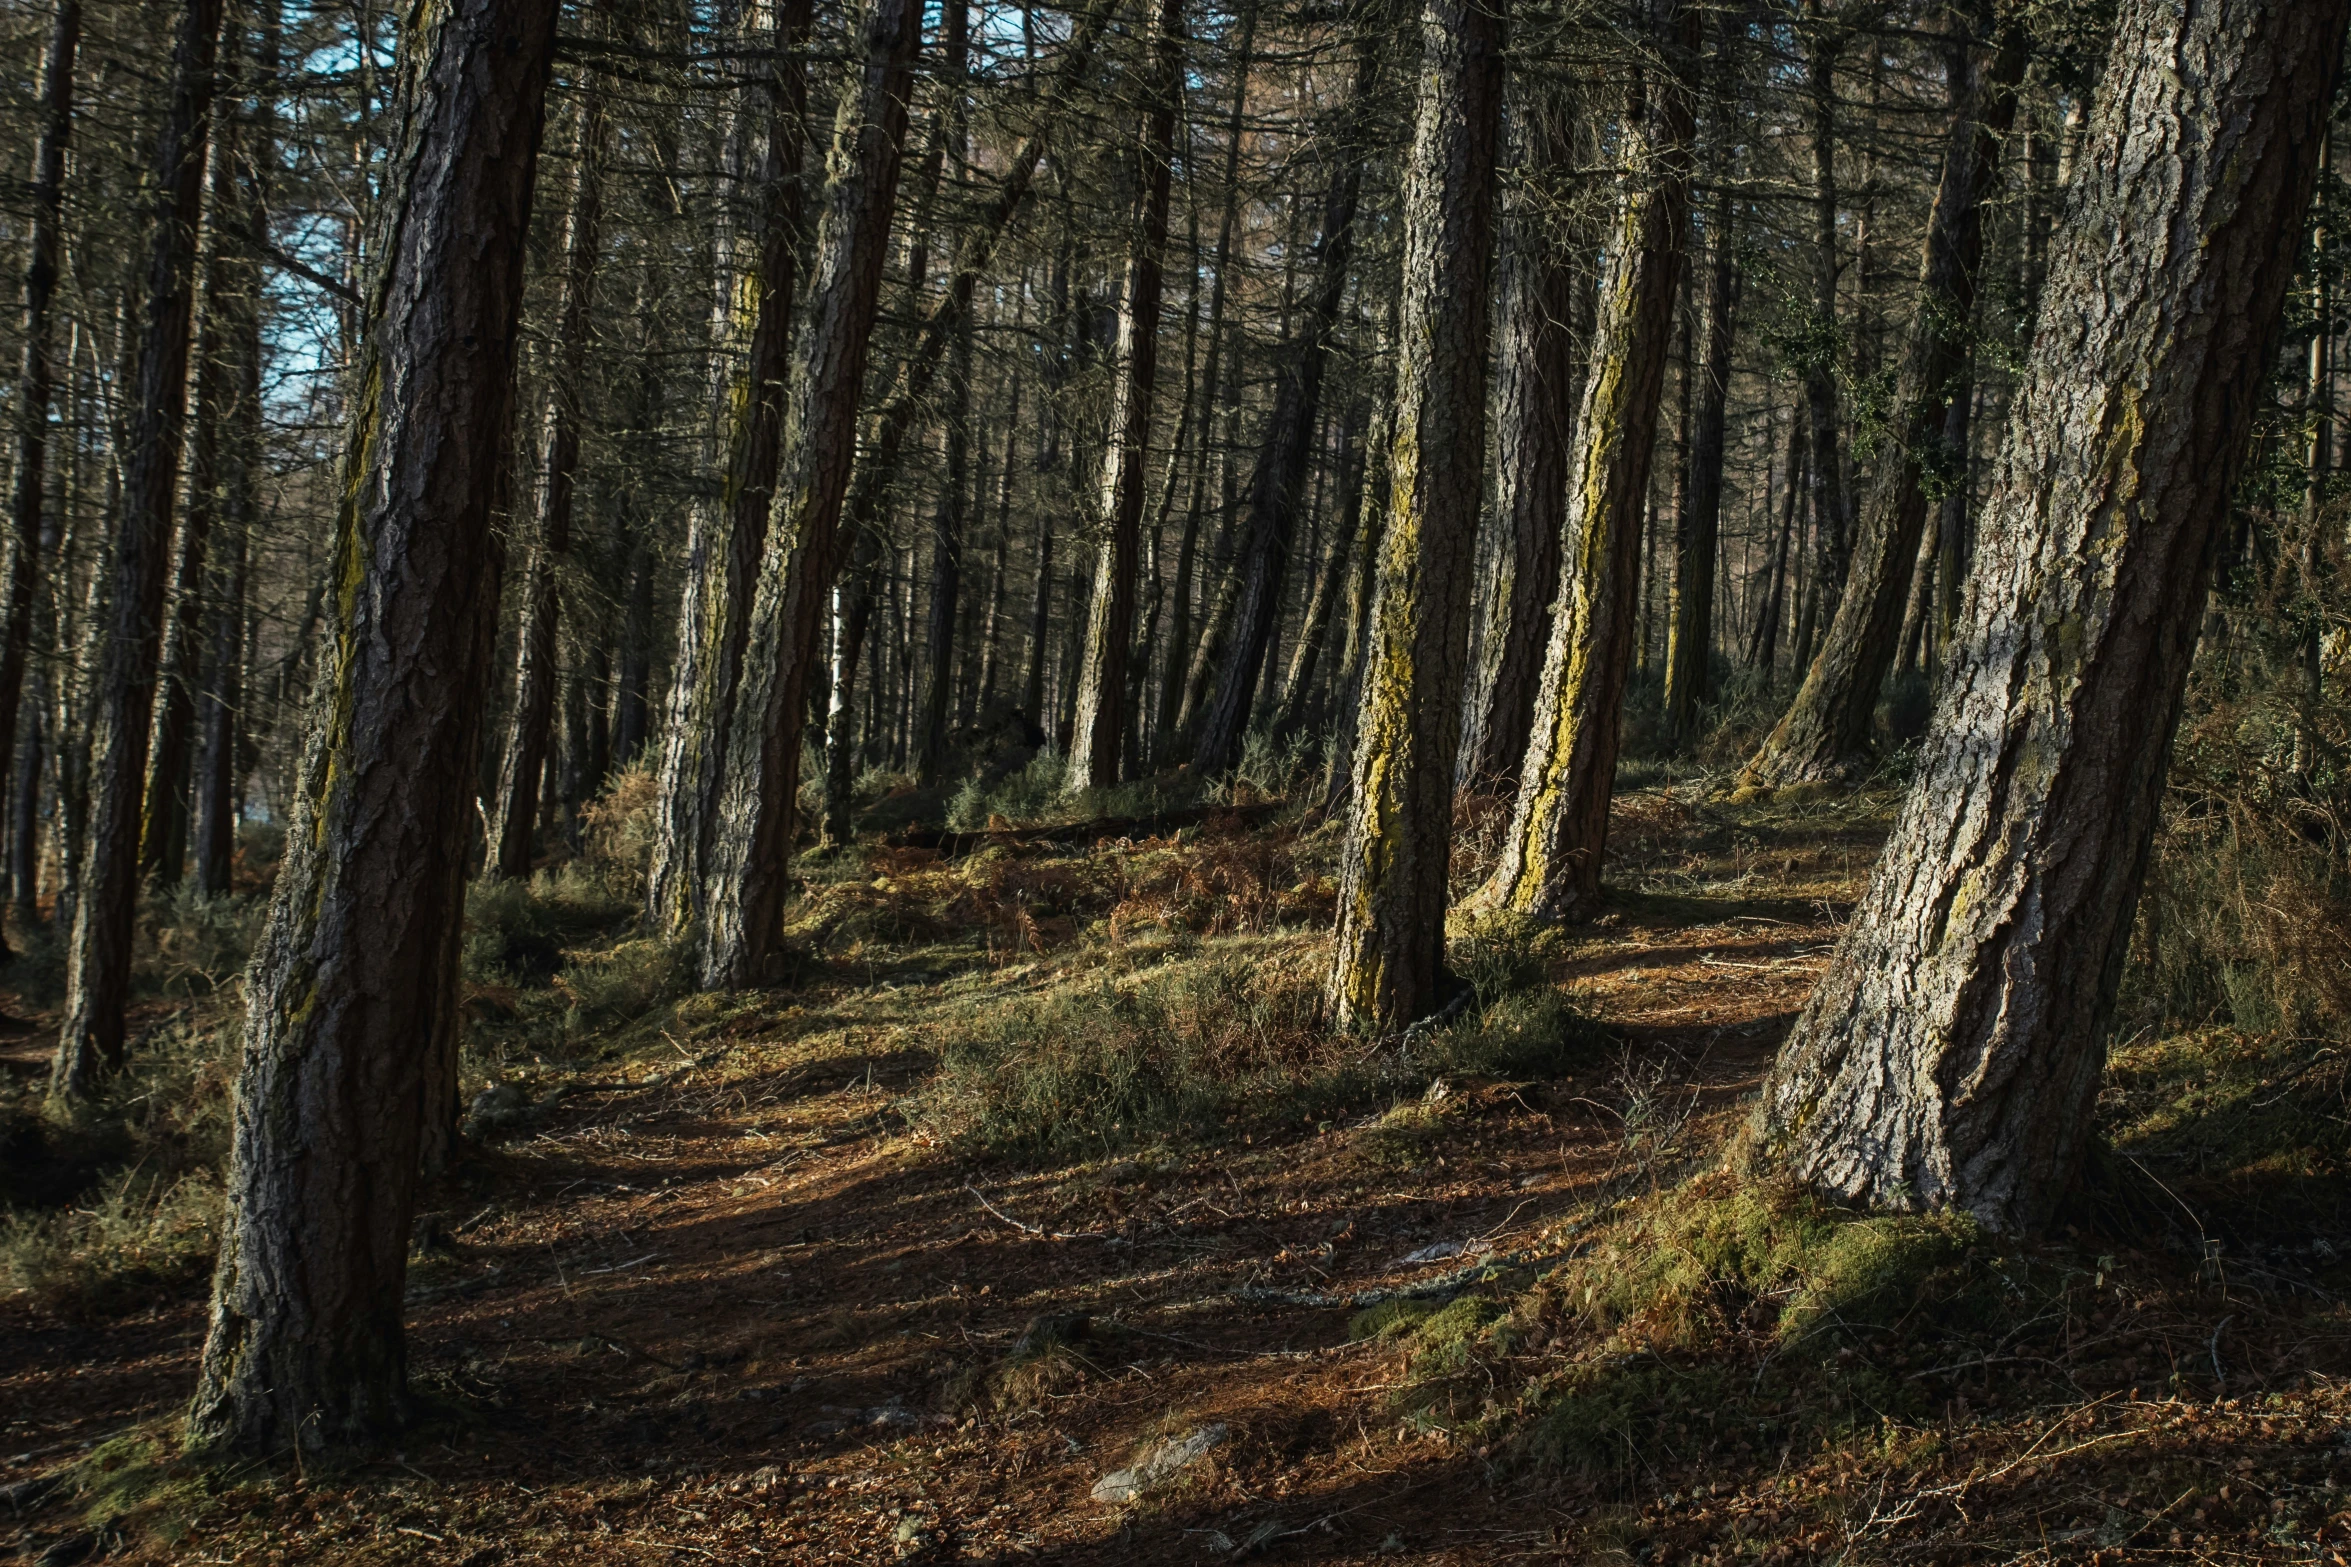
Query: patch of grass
point(139, 1233)
point(1113, 1063)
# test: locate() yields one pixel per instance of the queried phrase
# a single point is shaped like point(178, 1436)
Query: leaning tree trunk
point(98, 972)
point(515, 824)
point(1389, 948)
point(1534, 416)
point(751, 854)
point(1825, 734)
point(1276, 487)
point(351, 998)
point(1102, 720)
point(1550, 864)
point(1689, 633)
point(1952, 1054)
point(726, 535)
point(36, 381)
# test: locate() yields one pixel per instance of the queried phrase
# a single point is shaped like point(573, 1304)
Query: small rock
point(892, 1417)
point(1160, 1463)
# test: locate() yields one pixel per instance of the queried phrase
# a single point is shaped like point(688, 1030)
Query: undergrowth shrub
point(1028, 795)
point(1116, 1063)
point(126, 1194)
point(202, 943)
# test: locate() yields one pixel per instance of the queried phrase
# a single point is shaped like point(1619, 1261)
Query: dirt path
point(736, 1309)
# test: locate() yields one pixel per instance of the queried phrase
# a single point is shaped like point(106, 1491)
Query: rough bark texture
point(751, 853)
point(1389, 947)
point(1825, 734)
point(98, 971)
point(351, 998)
point(1550, 863)
point(1276, 487)
point(1534, 432)
point(1952, 1054)
point(1689, 632)
point(1102, 719)
point(532, 716)
point(726, 535)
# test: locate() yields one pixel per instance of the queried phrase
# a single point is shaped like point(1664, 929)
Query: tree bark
point(1952, 1054)
point(1534, 415)
point(726, 536)
point(98, 972)
point(752, 852)
point(1825, 736)
point(1389, 947)
point(1550, 863)
point(516, 817)
point(351, 1012)
point(1275, 487)
point(1689, 638)
point(1102, 698)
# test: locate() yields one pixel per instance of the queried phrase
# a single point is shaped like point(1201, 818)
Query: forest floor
point(789, 1278)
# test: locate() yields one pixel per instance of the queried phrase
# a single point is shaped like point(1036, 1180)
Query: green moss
point(1390, 1318)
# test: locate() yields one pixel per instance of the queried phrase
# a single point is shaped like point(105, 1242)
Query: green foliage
point(1030, 795)
point(201, 943)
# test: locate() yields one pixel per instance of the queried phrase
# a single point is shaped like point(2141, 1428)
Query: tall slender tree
point(1102, 719)
point(514, 826)
point(1826, 733)
point(98, 972)
point(752, 852)
point(727, 532)
point(1550, 862)
point(36, 380)
point(1389, 948)
point(1277, 486)
point(1534, 432)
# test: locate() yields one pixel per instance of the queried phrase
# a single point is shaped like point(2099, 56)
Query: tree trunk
point(1534, 415)
point(351, 1011)
point(1330, 587)
point(1110, 625)
point(955, 496)
point(1689, 649)
point(991, 637)
point(36, 381)
point(1952, 1054)
point(98, 970)
point(532, 716)
point(236, 303)
point(1825, 734)
point(1825, 478)
point(1550, 864)
point(726, 536)
point(1275, 487)
point(752, 852)
point(1763, 653)
point(1389, 947)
